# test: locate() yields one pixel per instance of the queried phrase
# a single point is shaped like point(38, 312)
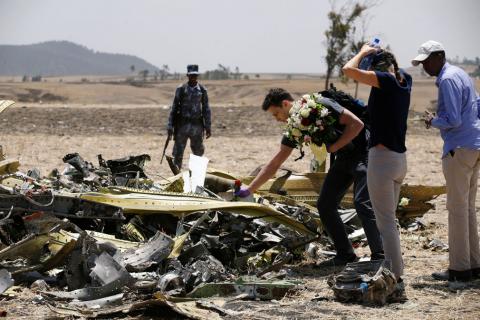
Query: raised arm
point(351, 70)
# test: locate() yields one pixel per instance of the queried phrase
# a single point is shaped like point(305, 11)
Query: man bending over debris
point(190, 117)
point(350, 166)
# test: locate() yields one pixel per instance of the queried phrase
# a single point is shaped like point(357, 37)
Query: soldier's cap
point(425, 50)
point(192, 69)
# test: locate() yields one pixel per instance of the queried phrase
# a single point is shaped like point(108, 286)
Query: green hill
point(63, 58)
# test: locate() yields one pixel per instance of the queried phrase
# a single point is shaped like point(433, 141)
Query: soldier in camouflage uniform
point(190, 117)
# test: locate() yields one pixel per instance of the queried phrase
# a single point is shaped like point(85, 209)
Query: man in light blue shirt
point(458, 120)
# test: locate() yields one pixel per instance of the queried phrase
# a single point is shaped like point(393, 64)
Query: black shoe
point(336, 262)
point(476, 273)
point(441, 276)
point(452, 275)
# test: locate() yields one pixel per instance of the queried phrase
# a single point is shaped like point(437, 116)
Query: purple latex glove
point(243, 192)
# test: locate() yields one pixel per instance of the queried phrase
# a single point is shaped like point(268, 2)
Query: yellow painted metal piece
point(305, 187)
point(147, 202)
point(178, 243)
point(62, 237)
point(421, 193)
point(9, 166)
point(4, 104)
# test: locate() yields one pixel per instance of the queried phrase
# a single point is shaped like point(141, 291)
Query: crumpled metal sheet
point(32, 249)
point(305, 187)
point(255, 288)
point(422, 193)
point(98, 303)
point(151, 253)
point(6, 280)
point(183, 307)
point(61, 204)
point(133, 201)
point(93, 293)
point(4, 104)
point(9, 166)
point(29, 248)
point(108, 270)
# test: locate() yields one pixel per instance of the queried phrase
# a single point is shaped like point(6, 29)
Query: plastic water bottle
point(364, 287)
point(366, 62)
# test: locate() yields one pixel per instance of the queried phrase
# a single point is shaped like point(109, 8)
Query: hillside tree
point(144, 74)
point(164, 72)
point(339, 35)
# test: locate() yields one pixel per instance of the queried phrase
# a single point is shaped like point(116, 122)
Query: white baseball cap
point(425, 50)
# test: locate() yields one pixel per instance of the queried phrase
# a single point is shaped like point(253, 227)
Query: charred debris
point(95, 240)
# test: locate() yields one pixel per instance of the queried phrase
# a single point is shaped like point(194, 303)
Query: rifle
point(169, 137)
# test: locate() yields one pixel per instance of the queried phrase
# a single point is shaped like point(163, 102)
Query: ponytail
point(383, 62)
point(397, 70)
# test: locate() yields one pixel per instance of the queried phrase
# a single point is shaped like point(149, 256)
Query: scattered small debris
point(121, 242)
point(436, 245)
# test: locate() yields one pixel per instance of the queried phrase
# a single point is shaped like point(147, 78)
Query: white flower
point(305, 112)
point(324, 112)
point(311, 103)
point(296, 132)
point(317, 96)
point(295, 107)
point(306, 96)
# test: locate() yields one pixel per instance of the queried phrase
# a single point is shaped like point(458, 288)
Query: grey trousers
point(461, 175)
point(192, 131)
point(386, 171)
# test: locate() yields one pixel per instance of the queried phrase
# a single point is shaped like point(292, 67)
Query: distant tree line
point(37, 78)
point(467, 62)
point(223, 73)
point(220, 73)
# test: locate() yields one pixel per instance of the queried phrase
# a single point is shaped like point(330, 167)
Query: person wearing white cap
point(458, 120)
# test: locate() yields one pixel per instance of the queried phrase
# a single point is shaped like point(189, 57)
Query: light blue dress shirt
point(457, 110)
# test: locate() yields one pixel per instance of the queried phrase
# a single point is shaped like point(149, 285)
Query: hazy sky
point(255, 35)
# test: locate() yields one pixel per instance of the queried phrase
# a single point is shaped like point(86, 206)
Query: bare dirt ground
point(243, 138)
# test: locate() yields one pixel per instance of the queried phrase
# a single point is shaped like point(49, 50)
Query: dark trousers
point(348, 169)
point(192, 131)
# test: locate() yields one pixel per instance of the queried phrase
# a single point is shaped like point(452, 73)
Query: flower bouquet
point(310, 122)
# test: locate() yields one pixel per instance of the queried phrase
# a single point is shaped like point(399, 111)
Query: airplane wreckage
point(107, 239)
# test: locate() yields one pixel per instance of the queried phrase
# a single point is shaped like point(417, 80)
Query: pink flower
point(319, 124)
point(307, 139)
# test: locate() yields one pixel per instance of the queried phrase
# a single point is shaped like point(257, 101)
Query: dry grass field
point(116, 120)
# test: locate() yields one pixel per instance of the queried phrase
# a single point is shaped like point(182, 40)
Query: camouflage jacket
point(189, 105)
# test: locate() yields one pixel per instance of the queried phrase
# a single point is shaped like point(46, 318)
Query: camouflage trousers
point(186, 131)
